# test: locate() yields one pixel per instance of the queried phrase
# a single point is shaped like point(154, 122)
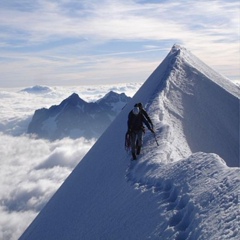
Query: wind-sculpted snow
point(181, 189)
point(189, 193)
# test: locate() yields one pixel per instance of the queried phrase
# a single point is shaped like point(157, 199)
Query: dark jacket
point(135, 122)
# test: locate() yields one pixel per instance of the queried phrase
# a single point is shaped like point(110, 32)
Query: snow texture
point(185, 188)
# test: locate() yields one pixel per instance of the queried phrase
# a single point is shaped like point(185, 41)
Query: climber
point(136, 122)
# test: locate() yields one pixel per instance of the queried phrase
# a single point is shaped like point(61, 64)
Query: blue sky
point(70, 42)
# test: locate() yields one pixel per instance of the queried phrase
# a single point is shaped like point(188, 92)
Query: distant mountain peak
point(75, 117)
point(37, 89)
point(74, 97)
point(114, 97)
point(73, 100)
point(111, 93)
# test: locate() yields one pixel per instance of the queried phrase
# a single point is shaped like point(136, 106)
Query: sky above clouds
point(70, 42)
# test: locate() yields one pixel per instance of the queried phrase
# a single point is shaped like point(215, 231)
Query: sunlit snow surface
point(181, 189)
point(185, 188)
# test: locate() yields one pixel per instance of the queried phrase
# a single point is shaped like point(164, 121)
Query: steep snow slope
point(172, 191)
point(199, 106)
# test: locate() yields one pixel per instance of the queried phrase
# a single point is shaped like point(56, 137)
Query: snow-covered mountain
point(75, 117)
point(185, 188)
point(37, 89)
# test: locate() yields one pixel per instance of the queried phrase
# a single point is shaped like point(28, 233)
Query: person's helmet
point(135, 110)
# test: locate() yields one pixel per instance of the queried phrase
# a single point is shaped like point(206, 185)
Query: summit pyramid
point(185, 188)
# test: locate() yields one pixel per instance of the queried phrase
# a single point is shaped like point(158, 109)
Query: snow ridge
point(181, 189)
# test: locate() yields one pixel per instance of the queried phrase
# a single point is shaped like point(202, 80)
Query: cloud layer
point(31, 170)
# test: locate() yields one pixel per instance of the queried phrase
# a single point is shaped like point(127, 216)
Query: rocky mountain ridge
point(74, 117)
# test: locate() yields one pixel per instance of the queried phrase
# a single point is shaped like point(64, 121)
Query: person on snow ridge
point(136, 130)
point(144, 113)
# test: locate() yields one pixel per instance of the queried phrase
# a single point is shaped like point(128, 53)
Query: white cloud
point(55, 41)
point(31, 171)
point(123, 19)
point(12, 224)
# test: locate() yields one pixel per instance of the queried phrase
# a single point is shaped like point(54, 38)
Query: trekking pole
point(154, 134)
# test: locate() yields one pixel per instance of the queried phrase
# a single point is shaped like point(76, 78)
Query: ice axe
point(154, 134)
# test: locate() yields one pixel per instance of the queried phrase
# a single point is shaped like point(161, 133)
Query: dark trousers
point(136, 140)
